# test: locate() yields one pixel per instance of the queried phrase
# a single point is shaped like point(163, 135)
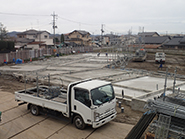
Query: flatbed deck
point(51, 97)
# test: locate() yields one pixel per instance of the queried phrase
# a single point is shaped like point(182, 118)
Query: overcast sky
point(117, 16)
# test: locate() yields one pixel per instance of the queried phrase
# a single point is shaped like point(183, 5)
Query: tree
point(3, 32)
point(62, 38)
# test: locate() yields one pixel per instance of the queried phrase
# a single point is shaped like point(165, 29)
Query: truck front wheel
point(79, 123)
point(34, 110)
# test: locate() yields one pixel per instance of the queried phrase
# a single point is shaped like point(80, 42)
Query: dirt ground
point(172, 62)
point(12, 84)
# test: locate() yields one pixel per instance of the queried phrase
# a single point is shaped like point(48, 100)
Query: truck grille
point(107, 113)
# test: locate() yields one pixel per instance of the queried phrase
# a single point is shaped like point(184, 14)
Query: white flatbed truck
point(86, 102)
point(160, 57)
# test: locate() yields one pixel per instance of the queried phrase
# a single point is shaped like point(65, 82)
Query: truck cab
point(93, 102)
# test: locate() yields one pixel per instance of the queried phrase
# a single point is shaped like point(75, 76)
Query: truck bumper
point(104, 121)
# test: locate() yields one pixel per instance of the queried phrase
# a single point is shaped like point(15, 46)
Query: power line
point(21, 14)
point(17, 14)
point(77, 21)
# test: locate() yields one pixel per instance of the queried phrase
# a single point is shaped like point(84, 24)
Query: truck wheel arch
point(35, 110)
point(28, 106)
point(79, 122)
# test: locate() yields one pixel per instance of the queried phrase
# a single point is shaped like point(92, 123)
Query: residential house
point(148, 34)
point(80, 37)
point(152, 41)
point(33, 37)
point(128, 39)
point(156, 40)
point(113, 39)
point(177, 42)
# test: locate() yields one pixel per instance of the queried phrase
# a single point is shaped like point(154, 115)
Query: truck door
point(81, 104)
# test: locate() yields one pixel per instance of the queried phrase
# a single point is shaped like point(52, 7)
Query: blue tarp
point(18, 61)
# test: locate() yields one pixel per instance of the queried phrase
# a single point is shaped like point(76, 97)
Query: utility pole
point(102, 31)
point(54, 26)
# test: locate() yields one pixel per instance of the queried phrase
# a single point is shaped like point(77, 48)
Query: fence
point(27, 54)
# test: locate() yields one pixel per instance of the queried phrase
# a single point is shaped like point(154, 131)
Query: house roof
point(148, 33)
point(31, 32)
point(155, 40)
point(81, 32)
point(174, 41)
point(182, 40)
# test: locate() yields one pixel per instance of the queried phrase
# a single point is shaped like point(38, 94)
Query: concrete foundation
point(138, 85)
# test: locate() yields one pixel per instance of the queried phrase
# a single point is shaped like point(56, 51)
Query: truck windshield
point(102, 94)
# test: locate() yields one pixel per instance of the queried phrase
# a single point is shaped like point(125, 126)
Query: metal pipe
point(37, 85)
point(174, 80)
point(165, 82)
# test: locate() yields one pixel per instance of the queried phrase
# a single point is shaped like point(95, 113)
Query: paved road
point(19, 123)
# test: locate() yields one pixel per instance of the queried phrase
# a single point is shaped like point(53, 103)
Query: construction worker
point(161, 64)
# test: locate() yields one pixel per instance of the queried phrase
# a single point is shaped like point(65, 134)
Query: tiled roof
point(174, 41)
point(182, 40)
point(147, 33)
point(81, 32)
point(31, 32)
point(155, 40)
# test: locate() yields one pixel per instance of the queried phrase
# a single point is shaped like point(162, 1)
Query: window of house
point(82, 95)
point(78, 36)
point(45, 36)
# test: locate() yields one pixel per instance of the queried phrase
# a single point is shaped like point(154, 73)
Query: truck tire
point(34, 110)
point(79, 123)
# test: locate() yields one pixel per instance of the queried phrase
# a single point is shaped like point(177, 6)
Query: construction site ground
point(172, 61)
point(17, 122)
point(14, 116)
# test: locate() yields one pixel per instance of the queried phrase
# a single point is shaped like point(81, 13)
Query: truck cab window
point(82, 96)
point(102, 94)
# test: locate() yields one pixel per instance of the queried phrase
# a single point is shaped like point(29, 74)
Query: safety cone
point(30, 59)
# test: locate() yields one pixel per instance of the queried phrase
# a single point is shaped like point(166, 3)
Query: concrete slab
point(44, 73)
point(70, 132)
point(147, 83)
point(14, 113)
point(66, 68)
point(90, 65)
point(182, 87)
point(129, 93)
point(22, 68)
point(108, 131)
point(18, 125)
point(43, 130)
point(7, 101)
point(96, 73)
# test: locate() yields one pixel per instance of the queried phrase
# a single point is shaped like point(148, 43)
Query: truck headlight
point(96, 116)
